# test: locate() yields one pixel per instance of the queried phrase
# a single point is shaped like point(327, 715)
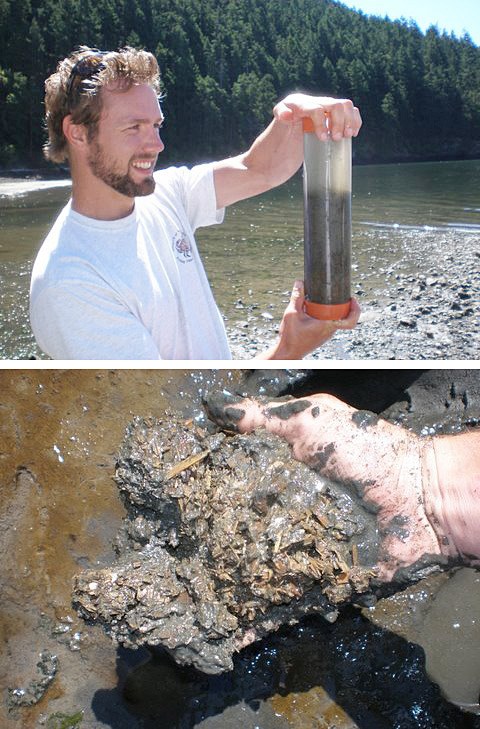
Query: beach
point(421, 304)
point(415, 263)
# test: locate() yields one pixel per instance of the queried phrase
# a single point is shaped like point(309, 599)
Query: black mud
point(364, 419)
point(286, 410)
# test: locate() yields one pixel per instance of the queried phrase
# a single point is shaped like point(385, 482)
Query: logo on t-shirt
point(182, 247)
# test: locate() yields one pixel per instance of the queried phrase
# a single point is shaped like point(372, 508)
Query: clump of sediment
point(227, 538)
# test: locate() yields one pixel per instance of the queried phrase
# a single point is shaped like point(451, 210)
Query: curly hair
point(83, 100)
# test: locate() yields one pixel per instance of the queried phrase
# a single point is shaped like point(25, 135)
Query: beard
point(104, 169)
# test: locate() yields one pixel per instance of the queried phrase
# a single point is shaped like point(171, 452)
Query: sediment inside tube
point(327, 246)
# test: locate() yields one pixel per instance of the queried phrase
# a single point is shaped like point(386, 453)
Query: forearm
point(277, 351)
point(295, 348)
point(275, 155)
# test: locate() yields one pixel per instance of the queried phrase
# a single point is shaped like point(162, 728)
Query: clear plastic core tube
point(327, 188)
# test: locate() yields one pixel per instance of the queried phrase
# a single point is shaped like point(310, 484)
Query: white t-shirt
point(133, 288)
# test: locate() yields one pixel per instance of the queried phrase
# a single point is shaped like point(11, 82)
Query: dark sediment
point(327, 249)
point(228, 538)
point(231, 539)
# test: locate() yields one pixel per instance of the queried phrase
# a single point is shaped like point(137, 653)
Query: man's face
point(124, 151)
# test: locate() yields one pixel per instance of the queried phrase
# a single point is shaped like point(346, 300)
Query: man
point(119, 276)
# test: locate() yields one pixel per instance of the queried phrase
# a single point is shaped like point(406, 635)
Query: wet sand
point(60, 512)
point(59, 434)
point(11, 187)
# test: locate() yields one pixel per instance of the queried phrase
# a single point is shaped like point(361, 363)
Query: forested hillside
point(225, 62)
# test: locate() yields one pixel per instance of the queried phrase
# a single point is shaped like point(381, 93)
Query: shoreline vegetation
point(224, 66)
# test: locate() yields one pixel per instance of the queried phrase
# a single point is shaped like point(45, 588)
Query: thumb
point(284, 112)
point(297, 297)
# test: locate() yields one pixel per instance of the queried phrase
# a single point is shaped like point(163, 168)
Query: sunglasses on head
point(85, 68)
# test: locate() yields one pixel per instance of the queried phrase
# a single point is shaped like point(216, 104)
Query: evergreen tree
point(225, 63)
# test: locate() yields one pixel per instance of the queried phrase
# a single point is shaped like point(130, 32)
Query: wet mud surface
point(60, 435)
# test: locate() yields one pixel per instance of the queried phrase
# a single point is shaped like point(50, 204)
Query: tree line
point(225, 63)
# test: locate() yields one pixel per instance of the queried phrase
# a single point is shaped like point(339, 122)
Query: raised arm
point(277, 153)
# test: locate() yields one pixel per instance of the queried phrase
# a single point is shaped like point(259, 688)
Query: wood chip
point(186, 463)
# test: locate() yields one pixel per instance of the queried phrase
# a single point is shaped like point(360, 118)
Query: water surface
point(408, 219)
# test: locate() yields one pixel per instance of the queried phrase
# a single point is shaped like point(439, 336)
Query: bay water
point(253, 258)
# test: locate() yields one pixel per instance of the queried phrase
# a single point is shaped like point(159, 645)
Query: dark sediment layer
point(327, 248)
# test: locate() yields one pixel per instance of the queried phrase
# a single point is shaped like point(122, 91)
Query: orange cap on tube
point(327, 312)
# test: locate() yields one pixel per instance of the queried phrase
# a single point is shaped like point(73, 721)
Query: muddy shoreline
point(60, 513)
point(424, 306)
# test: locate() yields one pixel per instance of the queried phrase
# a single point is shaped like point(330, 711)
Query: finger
point(320, 123)
point(283, 112)
point(234, 413)
point(357, 121)
point(288, 417)
point(292, 113)
point(341, 117)
point(353, 121)
point(351, 320)
point(244, 415)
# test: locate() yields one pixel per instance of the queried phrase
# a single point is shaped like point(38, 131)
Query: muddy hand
point(381, 464)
